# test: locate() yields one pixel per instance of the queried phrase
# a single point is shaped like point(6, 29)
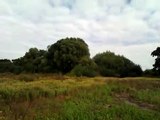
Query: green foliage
point(6, 66)
point(132, 71)
point(71, 56)
point(149, 72)
point(80, 70)
point(66, 53)
point(86, 67)
point(110, 64)
point(156, 65)
point(33, 61)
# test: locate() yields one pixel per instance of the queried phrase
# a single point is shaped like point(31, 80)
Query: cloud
point(127, 27)
point(149, 5)
point(5, 8)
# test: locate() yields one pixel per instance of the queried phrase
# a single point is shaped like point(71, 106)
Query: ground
point(57, 97)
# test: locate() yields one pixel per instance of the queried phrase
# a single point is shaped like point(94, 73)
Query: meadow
point(57, 97)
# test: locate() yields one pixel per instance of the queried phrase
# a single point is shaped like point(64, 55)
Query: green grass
point(65, 98)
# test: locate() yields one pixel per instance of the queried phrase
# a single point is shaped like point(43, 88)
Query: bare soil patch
point(125, 97)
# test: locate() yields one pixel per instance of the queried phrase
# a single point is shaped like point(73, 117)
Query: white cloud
point(149, 5)
point(5, 8)
point(128, 27)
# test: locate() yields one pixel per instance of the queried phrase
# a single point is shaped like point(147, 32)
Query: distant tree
point(156, 65)
point(132, 71)
point(71, 55)
point(66, 53)
point(18, 65)
point(6, 66)
point(110, 64)
point(149, 72)
point(33, 61)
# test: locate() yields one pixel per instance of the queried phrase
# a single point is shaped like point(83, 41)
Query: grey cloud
point(116, 25)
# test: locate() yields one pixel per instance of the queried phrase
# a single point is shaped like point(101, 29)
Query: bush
point(86, 67)
point(80, 70)
point(110, 64)
point(149, 73)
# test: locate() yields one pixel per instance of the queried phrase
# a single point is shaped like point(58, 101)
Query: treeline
point(71, 56)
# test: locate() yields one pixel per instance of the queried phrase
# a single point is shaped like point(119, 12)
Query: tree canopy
point(71, 56)
point(110, 64)
point(66, 53)
point(33, 61)
point(156, 65)
point(6, 66)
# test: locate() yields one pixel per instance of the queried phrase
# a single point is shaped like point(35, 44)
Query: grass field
point(56, 97)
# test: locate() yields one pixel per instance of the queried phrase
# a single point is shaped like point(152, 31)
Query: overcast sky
point(126, 27)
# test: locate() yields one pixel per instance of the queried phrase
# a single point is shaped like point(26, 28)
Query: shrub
point(80, 70)
point(86, 67)
point(110, 64)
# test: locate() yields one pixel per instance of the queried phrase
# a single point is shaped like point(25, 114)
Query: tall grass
point(68, 98)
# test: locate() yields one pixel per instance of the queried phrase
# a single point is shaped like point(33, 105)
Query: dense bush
point(80, 70)
point(6, 66)
point(86, 67)
point(132, 71)
point(110, 64)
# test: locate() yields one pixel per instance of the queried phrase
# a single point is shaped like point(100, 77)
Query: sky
point(126, 27)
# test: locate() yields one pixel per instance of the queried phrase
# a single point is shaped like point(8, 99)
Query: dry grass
point(57, 97)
